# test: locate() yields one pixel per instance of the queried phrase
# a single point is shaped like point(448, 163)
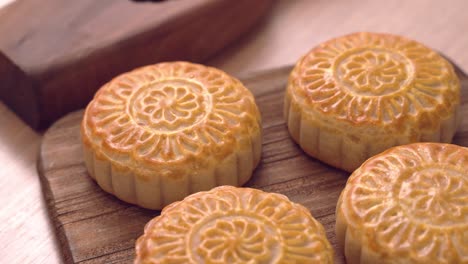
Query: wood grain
point(61, 52)
point(95, 227)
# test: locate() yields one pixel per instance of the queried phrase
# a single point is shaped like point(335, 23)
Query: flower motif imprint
point(236, 225)
point(238, 240)
point(366, 77)
point(413, 200)
point(376, 72)
point(435, 195)
point(170, 106)
point(171, 112)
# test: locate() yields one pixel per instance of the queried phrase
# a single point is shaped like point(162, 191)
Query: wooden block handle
point(54, 61)
point(17, 91)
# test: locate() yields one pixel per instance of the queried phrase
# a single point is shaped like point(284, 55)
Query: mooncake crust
point(159, 133)
point(234, 225)
point(354, 96)
point(408, 204)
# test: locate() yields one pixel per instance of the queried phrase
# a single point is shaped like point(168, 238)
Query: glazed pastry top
point(170, 113)
point(411, 202)
point(234, 225)
point(376, 79)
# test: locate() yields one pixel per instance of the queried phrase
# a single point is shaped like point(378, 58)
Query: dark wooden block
point(55, 54)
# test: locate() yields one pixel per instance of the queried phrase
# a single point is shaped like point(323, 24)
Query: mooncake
point(408, 204)
point(358, 95)
point(234, 225)
point(159, 133)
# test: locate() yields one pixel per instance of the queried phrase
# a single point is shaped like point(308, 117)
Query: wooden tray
point(95, 227)
point(55, 54)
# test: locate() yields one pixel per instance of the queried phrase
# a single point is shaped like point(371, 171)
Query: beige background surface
point(5, 2)
point(293, 27)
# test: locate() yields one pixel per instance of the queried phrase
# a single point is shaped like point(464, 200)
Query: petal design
point(170, 101)
point(357, 95)
point(373, 65)
point(236, 225)
point(412, 202)
point(159, 133)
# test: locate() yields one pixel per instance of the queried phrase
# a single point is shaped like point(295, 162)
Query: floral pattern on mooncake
point(156, 134)
point(408, 204)
point(355, 96)
point(234, 225)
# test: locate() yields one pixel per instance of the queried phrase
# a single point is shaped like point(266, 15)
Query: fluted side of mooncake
point(407, 205)
point(355, 96)
point(159, 133)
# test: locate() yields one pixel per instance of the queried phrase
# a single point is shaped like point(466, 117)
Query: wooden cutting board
point(95, 227)
point(55, 54)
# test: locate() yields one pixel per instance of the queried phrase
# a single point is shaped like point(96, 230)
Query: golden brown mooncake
point(408, 204)
point(159, 133)
point(234, 225)
point(358, 95)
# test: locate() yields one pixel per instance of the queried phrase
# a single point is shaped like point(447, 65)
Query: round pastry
point(234, 225)
point(355, 96)
point(408, 204)
point(161, 132)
